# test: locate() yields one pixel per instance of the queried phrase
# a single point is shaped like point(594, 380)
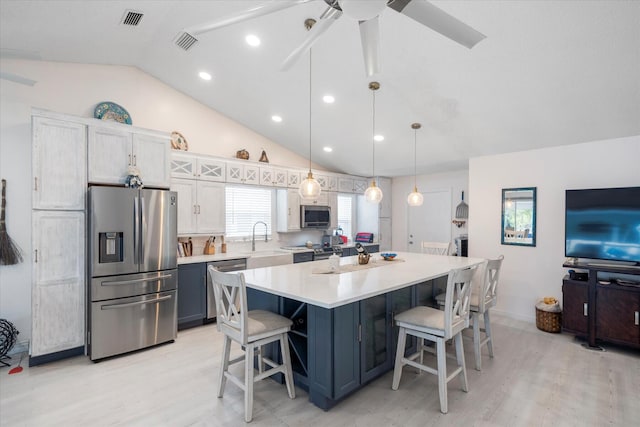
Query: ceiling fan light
point(373, 193)
point(362, 9)
point(415, 198)
point(309, 188)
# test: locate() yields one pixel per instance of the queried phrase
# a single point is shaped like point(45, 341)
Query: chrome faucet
point(253, 237)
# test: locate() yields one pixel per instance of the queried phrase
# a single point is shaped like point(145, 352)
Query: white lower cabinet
point(58, 289)
point(201, 206)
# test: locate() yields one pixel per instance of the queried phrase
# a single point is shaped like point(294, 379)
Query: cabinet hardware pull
point(135, 161)
point(195, 209)
point(637, 318)
point(36, 184)
point(360, 332)
point(585, 310)
point(198, 209)
point(129, 159)
point(37, 262)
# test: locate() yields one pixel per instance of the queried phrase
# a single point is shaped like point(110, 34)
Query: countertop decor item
point(178, 141)
point(9, 251)
point(112, 111)
point(242, 154)
point(388, 256)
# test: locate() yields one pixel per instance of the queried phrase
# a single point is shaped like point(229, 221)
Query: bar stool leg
point(487, 328)
point(397, 370)
point(248, 382)
point(224, 366)
point(442, 375)
point(477, 341)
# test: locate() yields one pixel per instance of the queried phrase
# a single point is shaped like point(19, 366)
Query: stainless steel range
point(326, 252)
point(132, 269)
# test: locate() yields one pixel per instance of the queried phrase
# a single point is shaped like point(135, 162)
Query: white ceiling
point(549, 73)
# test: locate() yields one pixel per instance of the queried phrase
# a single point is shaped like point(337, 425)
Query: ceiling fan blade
point(260, 10)
point(370, 38)
point(326, 20)
point(17, 79)
point(438, 20)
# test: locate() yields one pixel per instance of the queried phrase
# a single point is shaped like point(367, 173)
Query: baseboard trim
point(52, 357)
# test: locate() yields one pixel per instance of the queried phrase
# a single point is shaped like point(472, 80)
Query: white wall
point(529, 273)
point(76, 89)
point(456, 181)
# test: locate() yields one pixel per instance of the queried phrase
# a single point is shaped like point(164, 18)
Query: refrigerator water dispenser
point(110, 247)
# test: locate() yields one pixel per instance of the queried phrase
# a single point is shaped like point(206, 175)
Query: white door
point(430, 222)
point(187, 205)
point(109, 155)
point(58, 305)
point(59, 164)
point(211, 207)
point(152, 158)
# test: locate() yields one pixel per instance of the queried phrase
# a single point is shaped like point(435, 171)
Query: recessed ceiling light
point(252, 40)
point(328, 149)
point(329, 99)
point(204, 75)
point(276, 119)
point(378, 138)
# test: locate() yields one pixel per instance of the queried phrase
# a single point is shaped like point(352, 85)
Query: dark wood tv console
point(600, 311)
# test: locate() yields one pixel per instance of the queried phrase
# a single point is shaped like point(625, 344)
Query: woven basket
point(548, 321)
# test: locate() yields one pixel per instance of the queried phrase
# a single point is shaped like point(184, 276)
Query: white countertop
point(297, 281)
point(209, 258)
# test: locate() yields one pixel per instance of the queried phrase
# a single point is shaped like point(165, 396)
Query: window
point(345, 214)
point(245, 205)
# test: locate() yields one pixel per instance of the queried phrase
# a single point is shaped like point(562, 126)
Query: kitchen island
point(343, 334)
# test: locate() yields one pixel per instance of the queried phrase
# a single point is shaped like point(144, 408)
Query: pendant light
point(373, 193)
point(415, 198)
point(309, 188)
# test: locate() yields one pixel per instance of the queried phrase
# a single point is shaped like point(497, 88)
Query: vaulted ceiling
point(548, 73)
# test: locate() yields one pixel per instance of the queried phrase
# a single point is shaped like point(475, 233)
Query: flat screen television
point(603, 224)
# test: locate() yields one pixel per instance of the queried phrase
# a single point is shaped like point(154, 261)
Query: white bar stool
point(252, 330)
point(438, 326)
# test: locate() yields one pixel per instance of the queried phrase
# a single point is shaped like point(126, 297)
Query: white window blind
point(345, 214)
point(245, 205)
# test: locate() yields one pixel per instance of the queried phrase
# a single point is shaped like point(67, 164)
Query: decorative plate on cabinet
point(178, 141)
point(112, 111)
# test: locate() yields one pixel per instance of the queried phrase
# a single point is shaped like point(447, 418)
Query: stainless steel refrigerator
point(132, 269)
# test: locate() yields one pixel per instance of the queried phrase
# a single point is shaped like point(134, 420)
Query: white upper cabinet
point(201, 206)
point(193, 166)
point(112, 150)
point(332, 183)
point(352, 184)
point(332, 202)
point(243, 173)
point(360, 185)
point(280, 177)
point(294, 179)
point(345, 185)
point(266, 176)
point(151, 156)
point(385, 204)
point(59, 164)
point(287, 211)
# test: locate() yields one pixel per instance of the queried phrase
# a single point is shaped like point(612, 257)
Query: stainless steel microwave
point(312, 216)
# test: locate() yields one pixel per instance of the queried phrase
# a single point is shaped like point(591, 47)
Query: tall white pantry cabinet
point(58, 236)
point(64, 148)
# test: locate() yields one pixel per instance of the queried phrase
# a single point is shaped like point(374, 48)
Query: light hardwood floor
point(535, 379)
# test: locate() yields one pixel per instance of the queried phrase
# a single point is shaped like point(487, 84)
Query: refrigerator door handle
point(134, 281)
point(131, 304)
point(136, 229)
point(143, 223)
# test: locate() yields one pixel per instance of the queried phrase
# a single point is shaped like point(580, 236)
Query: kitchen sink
point(268, 258)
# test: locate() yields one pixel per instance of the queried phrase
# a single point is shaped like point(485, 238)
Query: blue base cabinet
point(192, 295)
point(337, 351)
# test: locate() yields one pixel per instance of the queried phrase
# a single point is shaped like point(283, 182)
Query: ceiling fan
point(366, 12)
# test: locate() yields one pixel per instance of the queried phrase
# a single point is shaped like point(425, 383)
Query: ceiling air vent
point(185, 40)
point(132, 18)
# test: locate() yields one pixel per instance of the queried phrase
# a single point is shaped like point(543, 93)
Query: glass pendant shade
point(373, 193)
point(310, 188)
point(415, 198)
